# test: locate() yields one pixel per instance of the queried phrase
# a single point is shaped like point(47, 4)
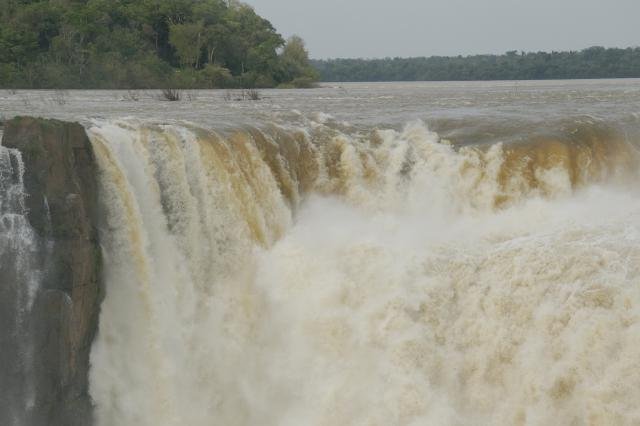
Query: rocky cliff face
point(49, 272)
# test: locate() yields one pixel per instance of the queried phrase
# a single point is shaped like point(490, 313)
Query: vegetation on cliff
point(595, 62)
point(145, 44)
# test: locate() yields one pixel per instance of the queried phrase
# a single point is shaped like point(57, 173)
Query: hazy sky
point(379, 28)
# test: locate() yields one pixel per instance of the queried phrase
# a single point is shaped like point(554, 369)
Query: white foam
point(401, 296)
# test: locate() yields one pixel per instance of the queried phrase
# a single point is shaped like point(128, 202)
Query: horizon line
point(518, 52)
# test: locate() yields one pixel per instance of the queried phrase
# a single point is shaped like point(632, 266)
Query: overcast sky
point(380, 28)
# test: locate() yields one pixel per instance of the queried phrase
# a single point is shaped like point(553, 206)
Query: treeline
point(594, 62)
point(139, 44)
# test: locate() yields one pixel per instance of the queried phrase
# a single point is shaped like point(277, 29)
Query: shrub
point(250, 80)
point(303, 83)
point(217, 77)
point(190, 79)
point(242, 95)
point(251, 94)
point(171, 95)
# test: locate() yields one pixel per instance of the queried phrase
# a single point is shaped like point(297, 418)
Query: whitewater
point(357, 267)
point(392, 280)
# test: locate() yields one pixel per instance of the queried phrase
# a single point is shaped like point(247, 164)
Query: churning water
point(391, 254)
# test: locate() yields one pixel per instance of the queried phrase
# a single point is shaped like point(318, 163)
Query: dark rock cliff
point(43, 376)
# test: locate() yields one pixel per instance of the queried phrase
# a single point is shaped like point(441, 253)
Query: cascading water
point(182, 216)
point(312, 276)
point(22, 264)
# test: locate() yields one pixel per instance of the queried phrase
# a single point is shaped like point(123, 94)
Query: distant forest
point(145, 44)
point(594, 62)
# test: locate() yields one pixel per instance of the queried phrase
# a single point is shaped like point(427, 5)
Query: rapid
point(291, 278)
point(476, 266)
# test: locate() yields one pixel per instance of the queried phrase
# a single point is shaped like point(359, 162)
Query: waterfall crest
point(287, 276)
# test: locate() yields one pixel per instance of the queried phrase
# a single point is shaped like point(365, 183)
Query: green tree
point(188, 40)
point(138, 44)
point(296, 67)
point(594, 62)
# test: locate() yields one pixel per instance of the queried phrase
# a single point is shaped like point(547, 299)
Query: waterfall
point(22, 264)
point(288, 276)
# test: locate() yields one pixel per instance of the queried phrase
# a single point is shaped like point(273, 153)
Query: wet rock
point(57, 329)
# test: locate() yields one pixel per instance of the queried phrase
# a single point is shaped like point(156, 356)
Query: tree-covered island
point(137, 44)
